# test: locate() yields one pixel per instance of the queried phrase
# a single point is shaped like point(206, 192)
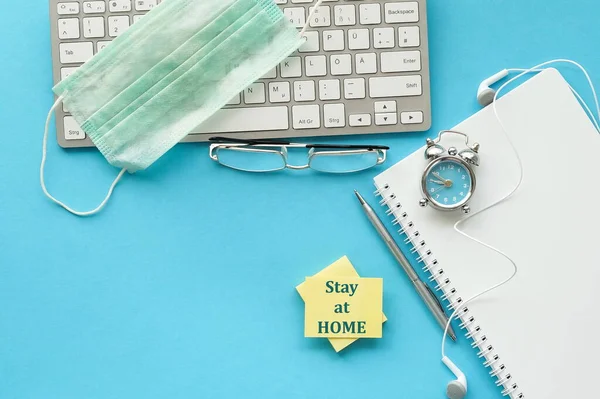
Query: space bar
point(246, 120)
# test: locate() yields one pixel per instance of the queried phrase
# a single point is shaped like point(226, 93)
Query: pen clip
point(436, 298)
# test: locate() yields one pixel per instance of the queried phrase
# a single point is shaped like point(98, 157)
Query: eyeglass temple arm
point(282, 142)
point(225, 140)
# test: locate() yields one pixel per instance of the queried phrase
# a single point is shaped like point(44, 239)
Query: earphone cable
point(310, 15)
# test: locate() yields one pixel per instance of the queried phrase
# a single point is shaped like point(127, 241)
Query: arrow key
point(386, 119)
point(412, 117)
point(385, 106)
point(360, 120)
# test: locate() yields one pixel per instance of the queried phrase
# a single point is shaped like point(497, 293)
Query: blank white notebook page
point(544, 323)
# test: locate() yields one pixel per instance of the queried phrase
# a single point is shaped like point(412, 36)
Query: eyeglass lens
point(251, 160)
point(343, 162)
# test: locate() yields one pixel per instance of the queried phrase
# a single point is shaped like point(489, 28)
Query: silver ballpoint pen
point(424, 291)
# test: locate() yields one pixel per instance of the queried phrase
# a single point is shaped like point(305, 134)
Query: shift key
point(395, 86)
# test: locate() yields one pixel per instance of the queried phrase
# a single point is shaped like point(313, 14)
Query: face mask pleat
point(161, 75)
point(204, 96)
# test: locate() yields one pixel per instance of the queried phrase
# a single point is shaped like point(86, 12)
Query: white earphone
point(485, 94)
point(457, 389)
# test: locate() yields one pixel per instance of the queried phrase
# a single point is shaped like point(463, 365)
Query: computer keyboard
point(363, 69)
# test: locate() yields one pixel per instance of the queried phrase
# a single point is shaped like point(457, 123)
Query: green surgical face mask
point(168, 74)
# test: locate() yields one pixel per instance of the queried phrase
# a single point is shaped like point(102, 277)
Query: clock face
point(448, 183)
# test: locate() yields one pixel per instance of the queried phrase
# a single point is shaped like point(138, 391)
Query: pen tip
point(360, 198)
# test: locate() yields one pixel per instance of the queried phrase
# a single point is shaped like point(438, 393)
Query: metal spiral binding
point(448, 293)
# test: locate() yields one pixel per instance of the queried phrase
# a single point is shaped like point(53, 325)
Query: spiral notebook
point(537, 334)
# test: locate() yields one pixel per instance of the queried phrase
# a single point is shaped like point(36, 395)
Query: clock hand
point(437, 181)
point(436, 174)
point(438, 189)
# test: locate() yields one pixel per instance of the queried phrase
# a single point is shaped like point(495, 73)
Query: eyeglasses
point(263, 155)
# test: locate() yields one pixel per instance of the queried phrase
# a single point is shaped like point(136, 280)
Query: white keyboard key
point(360, 120)
point(312, 43)
point(119, 5)
point(340, 64)
point(94, 7)
point(384, 38)
point(301, 1)
point(409, 36)
point(334, 115)
point(137, 18)
point(280, 1)
point(358, 39)
point(401, 12)
point(237, 100)
point(260, 119)
point(370, 14)
point(291, 67)
point(322, 17)
point(68, 28)
point(296, 16)
point(386, 119)
point(401, 61)
point(102, 45)
point(93, 27)
point(395, 86)
point(411, 117)
point(72, 129)
point(272, 74)
point(306, 117)
point(333, 40)
point(145, 5)
point(117, 25)
point(354, 88)
point(76, 53)
point(66, 72)
point(345, 15)
point(304, 91)
point(382, 107)
point(280, 92)
point(329, 89)
point(316, 65)
point(366, 63)
point(255, 94)
point(70, 8)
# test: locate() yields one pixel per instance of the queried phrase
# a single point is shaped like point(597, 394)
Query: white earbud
point(456, 389)
point(485, 94)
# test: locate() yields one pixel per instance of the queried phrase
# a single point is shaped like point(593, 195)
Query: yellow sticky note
point(345, 307)
point(341, 267)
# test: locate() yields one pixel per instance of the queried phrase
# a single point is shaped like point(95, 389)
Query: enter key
point(401, 61)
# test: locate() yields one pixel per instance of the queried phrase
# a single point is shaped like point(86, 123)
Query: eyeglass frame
point(251, 144)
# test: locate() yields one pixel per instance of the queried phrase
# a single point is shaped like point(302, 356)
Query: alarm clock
point(448, 182)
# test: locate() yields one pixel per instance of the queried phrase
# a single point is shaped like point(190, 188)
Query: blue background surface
point(184, 285)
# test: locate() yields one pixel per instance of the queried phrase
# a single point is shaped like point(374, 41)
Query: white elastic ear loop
point(537, 68)
point(43, 164)
point(310, 15)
